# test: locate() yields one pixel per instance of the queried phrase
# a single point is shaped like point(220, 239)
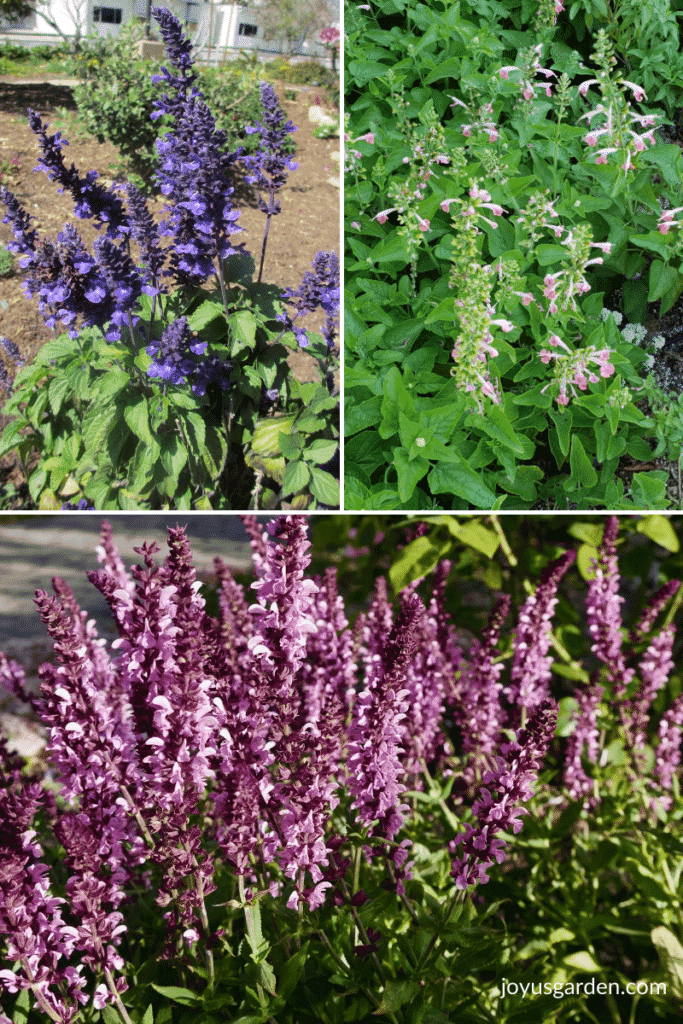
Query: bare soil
point(309, 221)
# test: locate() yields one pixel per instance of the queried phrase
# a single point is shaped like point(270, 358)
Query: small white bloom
point(420, 442)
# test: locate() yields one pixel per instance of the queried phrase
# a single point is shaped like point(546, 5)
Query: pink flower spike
point(555, 340)
point(591, 140)
point(601, 158)
point(527, 299)
point(370, 138)
point(562, 399)
point(559, 6)
point(593, 379)
point(493, 136)
point(606, 370)
point(467, 131)
point(457, 103)
point(424, 226)
point(528, 93)
point(383, 215)
point(445, 204)
point(546, 356)
point(504, 73)
point(664, 228)
point(548, 91)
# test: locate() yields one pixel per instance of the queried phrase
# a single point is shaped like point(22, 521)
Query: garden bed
point(307, 224)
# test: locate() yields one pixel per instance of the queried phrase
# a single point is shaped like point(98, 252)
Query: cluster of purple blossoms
point(319, 289)
point(247, 732)
point(498, 808)
point(196, 171)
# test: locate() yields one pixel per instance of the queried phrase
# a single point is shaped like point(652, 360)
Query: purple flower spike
point(603, 610)
point(375, 773)
point(530, 675)
point(319, 289)
point(498, 808)
point(269, 165)
point(195, 172)
point(583, 742)
point(26, 237)
point(90, 198)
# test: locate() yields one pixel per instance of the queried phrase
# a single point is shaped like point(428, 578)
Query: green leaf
point(461, 480)
point(359, 416)
point(475, 536)
point(290, 445)
point(21, 1007)
point(660, 530)
point(582, 467)
point(396, 994)
point(414, 561)
point(57, 392)
point(136, 416)
point(110, 384)
point(670, 954)
point(320, 451)
point(206, 313)
point(662, 277)
point(583, 961)
point(324, 487)
point(149, 1015)
point(549, 254)
point(243, 326)
point(265, 439)
point(410, 472)
point(296, 478)
point(178, 995)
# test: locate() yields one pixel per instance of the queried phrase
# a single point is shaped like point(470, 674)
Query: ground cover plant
point(165, 392)
point(263, 804)
point(512, 196)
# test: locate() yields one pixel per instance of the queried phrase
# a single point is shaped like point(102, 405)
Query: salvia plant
point(274, 813)
point(166, 391)
point(501, 186)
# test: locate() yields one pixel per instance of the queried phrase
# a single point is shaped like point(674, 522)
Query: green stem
point(117, 998)
point(507, 550)
point(459, 896)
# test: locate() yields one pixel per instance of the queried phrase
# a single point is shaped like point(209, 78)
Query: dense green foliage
point(495, 210)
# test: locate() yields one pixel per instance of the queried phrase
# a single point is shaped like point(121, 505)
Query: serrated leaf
point(205, 314)
point(243, 328)
point(297, 475)
point(396, 994)
point(324, 487)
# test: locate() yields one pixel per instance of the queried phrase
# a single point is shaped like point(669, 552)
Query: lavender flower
point(498, 809)
point(319, 289)
point(195, 171)
point(583, 742)
point(69, 283)
point(39, 942)
point(25, 236)
point(603, 610)
point(270, 163)
point(481, 715)
point(668, 752)
point(530, 674)
point(90, 198)
point(83, 506)
point(11, 350)
point(375, 773)
point(144, 231)
point(171, 354)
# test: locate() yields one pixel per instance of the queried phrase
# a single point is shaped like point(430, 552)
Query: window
point(248, 30)
point(107, 15)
